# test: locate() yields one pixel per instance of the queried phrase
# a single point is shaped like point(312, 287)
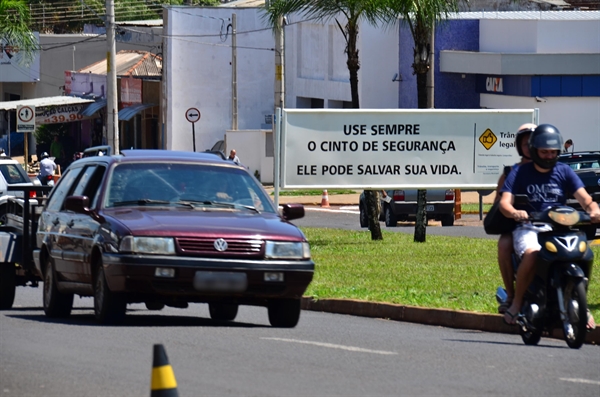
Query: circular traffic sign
point(192, 115)
point(25, 114)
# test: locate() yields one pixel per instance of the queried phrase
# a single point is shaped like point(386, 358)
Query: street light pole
point(112, 116)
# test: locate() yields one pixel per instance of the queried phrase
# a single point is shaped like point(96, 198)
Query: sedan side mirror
point(293, 211)
point(78, 204)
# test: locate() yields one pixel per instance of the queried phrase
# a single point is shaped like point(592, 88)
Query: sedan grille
point(207, 247)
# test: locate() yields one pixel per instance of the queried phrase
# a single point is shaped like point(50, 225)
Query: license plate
point(429, 208)
point(220, 281)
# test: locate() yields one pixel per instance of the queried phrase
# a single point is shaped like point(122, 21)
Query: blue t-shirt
point(543, 189)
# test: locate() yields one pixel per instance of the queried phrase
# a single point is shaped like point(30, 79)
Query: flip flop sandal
point(504, 306)
point(591, 324)
point(513, 318)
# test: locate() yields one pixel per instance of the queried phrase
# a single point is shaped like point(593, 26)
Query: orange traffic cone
point(325, 199)
point(163, 379)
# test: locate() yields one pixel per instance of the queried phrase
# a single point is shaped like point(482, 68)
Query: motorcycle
point(47, 180)
point(557, 296)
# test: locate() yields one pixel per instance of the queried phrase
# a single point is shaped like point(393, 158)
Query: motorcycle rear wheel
point(576, 306)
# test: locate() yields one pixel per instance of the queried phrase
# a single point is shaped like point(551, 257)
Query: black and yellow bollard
point(163, 378)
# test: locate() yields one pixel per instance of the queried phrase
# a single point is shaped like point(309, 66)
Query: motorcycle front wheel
point(531, 337)
point(574, 326)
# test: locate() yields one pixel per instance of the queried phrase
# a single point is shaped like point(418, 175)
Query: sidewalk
point(352, 199)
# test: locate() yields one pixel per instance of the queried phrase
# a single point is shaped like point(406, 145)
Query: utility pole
point(112, 116)
point(234, 99)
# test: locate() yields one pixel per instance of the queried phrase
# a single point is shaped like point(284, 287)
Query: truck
point(17, 242)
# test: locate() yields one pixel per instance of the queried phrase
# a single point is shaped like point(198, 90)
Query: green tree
point(422, 17)
point(70, 16)
point(374, 12)
point(15, 32)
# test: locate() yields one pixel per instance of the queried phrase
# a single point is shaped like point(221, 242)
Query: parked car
point(587, 166)
point(169, 228)
point(11, 174)
point(401, 205)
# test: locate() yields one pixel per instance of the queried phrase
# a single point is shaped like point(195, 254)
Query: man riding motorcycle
point(47, 168)
point(546, 183)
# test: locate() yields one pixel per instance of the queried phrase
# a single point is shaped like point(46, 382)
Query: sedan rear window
point(14, 173)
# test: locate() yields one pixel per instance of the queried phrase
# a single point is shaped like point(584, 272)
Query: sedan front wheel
point(223, 311)
point(109, 308)
point(56, 304)
point(284, 313)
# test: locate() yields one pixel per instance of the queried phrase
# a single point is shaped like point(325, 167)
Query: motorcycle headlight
point(148, 245)
point(287, 250)
point(564, 218)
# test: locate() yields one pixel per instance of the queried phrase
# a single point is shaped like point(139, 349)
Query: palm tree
point(374, 12)
point(422, 17)
point(15, 32)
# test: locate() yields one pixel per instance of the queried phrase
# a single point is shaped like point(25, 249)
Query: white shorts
point(525, 237)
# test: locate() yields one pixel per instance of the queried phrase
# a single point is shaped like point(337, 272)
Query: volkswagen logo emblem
point(220, 245)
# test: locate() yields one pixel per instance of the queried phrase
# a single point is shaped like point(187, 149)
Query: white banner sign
point(417, 148)
point(59, 114)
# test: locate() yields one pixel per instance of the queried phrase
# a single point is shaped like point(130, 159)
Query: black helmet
point(545, 136)
point(45, 155)
point(523, 130)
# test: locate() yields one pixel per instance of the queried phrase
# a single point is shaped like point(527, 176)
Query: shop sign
point(59, 114)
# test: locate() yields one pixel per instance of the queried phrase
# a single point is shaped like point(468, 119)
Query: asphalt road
point(346, 217)
point(326, 354)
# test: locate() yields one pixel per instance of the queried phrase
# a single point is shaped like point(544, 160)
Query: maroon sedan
point(169, 228)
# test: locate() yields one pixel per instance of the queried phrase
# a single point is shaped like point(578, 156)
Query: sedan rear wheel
point(364, 221)
point(223, 311)
point(56, 304)
point(448, 220)
point(284, 313)
point(8, 285)
point(390, 217)
point(109, 308)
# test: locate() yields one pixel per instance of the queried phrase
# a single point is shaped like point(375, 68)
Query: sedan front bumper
point(206, 279)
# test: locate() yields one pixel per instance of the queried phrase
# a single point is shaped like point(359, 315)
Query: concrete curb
point(413, 314)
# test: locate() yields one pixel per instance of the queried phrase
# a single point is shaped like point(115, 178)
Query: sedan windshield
point(185, 185)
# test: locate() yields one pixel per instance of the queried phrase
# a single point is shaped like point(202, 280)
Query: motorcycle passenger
point(546, 182)
point(47, 167)
point(505, 242)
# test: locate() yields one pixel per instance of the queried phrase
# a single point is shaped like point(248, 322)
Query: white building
point(547, 60)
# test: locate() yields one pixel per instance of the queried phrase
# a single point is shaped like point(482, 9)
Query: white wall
point(198, 74)
point(250, 145)
point(316, 64)
point(378, 64)
point(577, 118)
point(539, 36)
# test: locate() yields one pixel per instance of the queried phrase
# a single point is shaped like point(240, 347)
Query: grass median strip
point(457, 273)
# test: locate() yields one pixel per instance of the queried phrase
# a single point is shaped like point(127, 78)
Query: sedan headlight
point(148, 245)
point(287, 250)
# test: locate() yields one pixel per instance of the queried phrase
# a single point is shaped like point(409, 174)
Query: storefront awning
point(127, 113)
point(93, 108)
point(47, 101)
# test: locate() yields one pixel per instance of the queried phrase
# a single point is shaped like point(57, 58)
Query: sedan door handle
point(55, 222)
point(71, 223)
